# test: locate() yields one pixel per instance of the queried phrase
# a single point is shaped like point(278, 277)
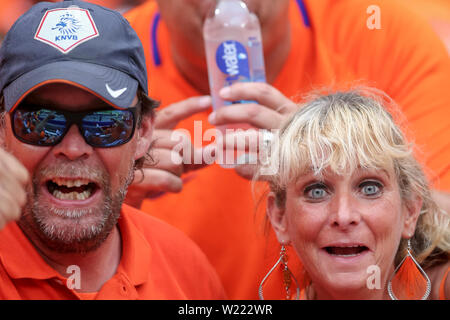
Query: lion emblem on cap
point(67, 24)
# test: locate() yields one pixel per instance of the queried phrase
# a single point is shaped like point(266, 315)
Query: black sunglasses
point(35, 125)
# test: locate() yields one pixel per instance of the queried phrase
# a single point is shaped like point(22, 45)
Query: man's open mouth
point(346, 251)
point(71, 189)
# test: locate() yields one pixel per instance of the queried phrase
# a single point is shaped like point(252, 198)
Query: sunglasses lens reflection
point(41, 127)
point(108, 128)
point(45, 127)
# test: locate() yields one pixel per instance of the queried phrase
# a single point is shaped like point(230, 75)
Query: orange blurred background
point(437, 12)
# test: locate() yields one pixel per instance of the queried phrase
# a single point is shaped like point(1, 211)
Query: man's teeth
point(70, 183)
point(71, 195)
point(70, 189)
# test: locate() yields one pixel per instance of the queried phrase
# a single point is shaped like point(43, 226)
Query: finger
point(155, 180)
point(249, 148)
point(14, 167)
point(11, 184)
point(169, 117)
point(254, 114)
point(251, 140)
point(263, 93)
point(168, 160)
point(192, 158)
point(11, 210)
point(202, 157)
point(11, 187)
point(169, 139)
point(246, 171)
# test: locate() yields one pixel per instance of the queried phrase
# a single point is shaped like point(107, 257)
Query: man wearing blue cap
point(76, 121)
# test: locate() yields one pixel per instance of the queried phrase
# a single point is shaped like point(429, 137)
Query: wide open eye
point(316, 191)
point(371, 188)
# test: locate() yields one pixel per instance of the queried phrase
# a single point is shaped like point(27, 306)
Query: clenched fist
point(13, 180)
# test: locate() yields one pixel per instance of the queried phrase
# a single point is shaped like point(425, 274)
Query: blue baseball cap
point(73, 42)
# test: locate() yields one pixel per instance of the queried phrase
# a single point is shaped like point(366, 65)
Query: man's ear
point(145, 132)
point(411, 211)
point(278, 219)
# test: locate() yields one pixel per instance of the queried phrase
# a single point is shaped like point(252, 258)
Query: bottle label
point(232, 59)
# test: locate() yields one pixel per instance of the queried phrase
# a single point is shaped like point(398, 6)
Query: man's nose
point(345, 211)
point(73, 146)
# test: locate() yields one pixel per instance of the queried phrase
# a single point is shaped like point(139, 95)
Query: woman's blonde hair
point(346, 130)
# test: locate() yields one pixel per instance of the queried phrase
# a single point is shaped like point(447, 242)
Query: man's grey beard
point(75, 237)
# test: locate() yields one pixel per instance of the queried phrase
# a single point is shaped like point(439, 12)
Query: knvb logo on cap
point(66, 28)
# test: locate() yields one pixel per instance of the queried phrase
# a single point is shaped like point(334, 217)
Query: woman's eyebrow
point(360, 170)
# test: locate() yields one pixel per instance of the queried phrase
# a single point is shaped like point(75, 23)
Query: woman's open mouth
point(71, 189)
point(346, 251)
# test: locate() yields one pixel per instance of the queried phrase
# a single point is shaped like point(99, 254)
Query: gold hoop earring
point(287, 276)
point(409, 277)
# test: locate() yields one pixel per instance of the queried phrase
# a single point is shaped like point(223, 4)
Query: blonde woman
point(354, 204)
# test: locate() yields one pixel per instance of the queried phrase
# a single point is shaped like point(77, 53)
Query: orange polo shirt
point(149, 267)
point(331, 44)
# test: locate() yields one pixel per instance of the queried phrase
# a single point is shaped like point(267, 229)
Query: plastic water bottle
point(233, 45)
point(234, 53)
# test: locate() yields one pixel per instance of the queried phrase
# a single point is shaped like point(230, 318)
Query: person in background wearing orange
point(437, 12)
point(307, 43)
point(65, 233)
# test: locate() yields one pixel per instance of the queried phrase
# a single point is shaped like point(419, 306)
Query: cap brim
point(113, 86)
